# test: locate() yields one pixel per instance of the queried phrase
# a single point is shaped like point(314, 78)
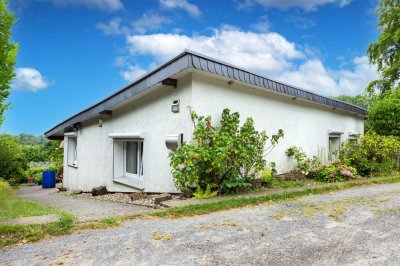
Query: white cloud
point(313, 76)
point(113, 27)
point(307, 5)
point(192, 9)
point(351, 82)
point(106, 5)
point(263, 25)
point(149, 21)
point(260, 52)
point(132, 73)
point(28, 79)
point(269, 54)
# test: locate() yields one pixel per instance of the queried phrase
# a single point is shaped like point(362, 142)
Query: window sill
point(130, 181)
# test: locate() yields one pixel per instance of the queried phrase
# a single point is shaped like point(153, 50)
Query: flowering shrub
point(372, 154)
point(336, 171)
point(305, 164)
point(223, 158)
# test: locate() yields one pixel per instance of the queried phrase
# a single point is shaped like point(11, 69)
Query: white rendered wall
point(305, 124)
point(150, 113)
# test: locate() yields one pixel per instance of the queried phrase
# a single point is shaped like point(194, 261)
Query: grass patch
point(101, 224)
point(12, 234)
point(226, 204)
point(14, 207)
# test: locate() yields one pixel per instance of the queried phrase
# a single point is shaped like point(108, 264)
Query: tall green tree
point(359, 100)
point(8, 52)
point(384, 114)
point(385, 53)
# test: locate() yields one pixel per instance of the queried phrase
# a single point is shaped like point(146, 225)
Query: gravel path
point(355, 226)
point(82, 208)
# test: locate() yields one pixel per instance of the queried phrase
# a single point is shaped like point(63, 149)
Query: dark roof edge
point(190, 59)
point(279, 82)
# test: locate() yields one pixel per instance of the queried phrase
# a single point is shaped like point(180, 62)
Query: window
point(133, 154)
point(128, 159)
point(72, 154)
point(334, 147)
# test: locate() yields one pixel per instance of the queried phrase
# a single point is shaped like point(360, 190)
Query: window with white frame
point(128, 158)
point(133, 158)
point(334, 147)
point(72, 151)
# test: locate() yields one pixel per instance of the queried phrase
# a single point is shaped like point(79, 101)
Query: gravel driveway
point(354, 226)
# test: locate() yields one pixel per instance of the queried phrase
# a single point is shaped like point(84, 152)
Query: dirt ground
point(355, 226)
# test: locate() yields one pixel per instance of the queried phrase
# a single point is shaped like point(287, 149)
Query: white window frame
point(72, 161)
point(139, 157)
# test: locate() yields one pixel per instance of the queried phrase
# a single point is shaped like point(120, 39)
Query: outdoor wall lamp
point(175, 106)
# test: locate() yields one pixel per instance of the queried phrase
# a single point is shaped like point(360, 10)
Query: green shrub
point(225, 158)
point(305, 164)
point(372, 154)
point(12, 160)
point(383, 115)
point(336, 171)
point(201, 194)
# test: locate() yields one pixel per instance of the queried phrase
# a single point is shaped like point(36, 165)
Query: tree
point(12, 160)
point(385, 53)
point(359, 100)
point(384, 114)
point(8, 52)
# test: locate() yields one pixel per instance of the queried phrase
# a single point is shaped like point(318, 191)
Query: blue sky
point(73, 53)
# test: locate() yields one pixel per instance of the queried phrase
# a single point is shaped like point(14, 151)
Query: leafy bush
point(223, 158)
point(336, 171)
point(36, 172)
point(12, 160)
point(372, 154)
point(383, 115)
point(305, 164)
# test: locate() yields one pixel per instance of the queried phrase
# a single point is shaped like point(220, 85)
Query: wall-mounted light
point(100, 121)
point(173, 141)
point(175, 106)
point(230, 82)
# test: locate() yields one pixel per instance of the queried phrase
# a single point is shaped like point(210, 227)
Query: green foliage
point(50, 151)
point(336, 171)
point(372, 154)
point(384, 114)
point(201, 194)
point(361, 100)
point(36, 172)
point(27, 139)
point(13, 162)
point(225, 157)
point(8, 52)
point(385, 53)
point(305, 164)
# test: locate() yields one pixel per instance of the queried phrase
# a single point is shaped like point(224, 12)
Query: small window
point(334, 147)
point(133, 162)
point(72, 154)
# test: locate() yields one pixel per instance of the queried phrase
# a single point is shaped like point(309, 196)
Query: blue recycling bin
point(48, 179)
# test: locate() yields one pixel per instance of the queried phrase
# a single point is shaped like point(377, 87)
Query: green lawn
point(14, 207)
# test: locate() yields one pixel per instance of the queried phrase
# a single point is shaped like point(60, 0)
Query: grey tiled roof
point(190, 59)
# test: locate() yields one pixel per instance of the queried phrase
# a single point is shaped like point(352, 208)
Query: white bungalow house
point(121, 142)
